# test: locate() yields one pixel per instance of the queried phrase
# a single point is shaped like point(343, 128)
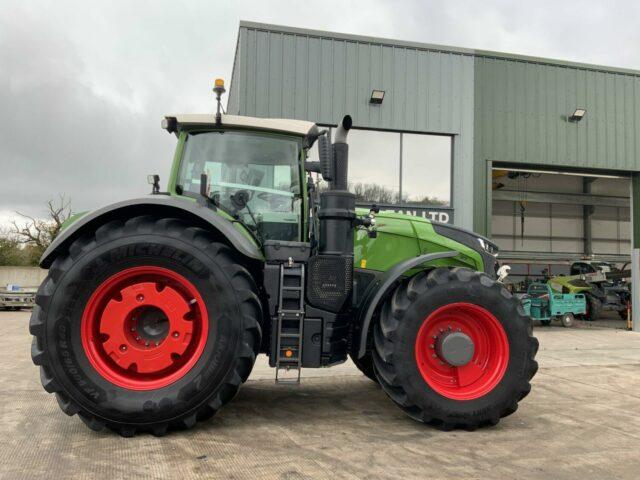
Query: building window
point(376, 159)
point(374, 174)
point(426, 169)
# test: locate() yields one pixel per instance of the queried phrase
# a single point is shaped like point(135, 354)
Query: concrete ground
point(582, 420)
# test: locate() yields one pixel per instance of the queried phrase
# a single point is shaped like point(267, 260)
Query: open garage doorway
point(555, 224)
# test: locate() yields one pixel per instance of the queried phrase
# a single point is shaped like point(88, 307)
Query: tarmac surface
point(581, 420)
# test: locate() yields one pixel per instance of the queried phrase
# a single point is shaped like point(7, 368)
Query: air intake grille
point(330, 280)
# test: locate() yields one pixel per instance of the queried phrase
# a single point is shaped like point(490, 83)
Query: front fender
point(163, 205)
point(381, 286)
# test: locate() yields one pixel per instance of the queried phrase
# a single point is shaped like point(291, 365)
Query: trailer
point(14, 297)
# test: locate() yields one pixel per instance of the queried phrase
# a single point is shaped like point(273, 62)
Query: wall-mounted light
point(376, 97)
point(577, 115)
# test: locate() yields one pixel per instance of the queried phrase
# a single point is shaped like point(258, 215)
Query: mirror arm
point(314, 167)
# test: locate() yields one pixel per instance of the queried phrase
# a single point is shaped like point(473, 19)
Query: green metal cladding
point(497, 107)
point(521, 116)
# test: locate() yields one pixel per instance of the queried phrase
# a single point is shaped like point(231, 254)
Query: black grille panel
point(329, 281)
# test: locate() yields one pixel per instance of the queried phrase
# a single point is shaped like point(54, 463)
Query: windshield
point(265, 166)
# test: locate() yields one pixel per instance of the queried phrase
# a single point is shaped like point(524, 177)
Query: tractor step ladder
point(290, 321)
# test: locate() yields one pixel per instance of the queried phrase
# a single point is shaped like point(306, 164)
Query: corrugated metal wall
point(521, 116)
point(522, 111)
point(313, 76)
point(500, 107)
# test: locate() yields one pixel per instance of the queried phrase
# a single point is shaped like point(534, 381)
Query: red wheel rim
point(144, 328)
point(490, 356)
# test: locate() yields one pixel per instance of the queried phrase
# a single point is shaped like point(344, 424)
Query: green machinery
point(155, 309)
point(604, 286)
point(544, 304)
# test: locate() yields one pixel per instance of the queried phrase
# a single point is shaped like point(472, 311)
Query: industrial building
point(542, 156)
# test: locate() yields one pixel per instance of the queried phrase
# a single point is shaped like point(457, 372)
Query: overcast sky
point(84, 85)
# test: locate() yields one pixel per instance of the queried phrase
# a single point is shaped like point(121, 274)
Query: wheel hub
point(462, 351)
point(455, 348)
point(150, 324)
point(144, 328)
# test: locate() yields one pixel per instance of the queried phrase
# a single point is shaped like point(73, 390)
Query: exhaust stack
point(330, 279)
point(341, 154)
point(338, 205)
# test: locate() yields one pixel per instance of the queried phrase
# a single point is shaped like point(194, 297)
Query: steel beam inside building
point(563, 198)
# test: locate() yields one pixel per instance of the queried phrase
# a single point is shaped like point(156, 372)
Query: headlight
point(487, 246)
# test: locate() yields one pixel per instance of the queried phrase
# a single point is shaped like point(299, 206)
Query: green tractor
point(155, 309)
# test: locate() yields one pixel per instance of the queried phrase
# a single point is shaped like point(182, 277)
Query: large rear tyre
point(453, 348)
point(146, 326)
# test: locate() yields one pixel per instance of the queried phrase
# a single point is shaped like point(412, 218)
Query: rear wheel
point(455, 349)
point(146, 326)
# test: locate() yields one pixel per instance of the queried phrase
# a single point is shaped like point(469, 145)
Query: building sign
point(437, 214)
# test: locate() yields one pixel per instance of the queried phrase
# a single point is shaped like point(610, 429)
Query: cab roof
point(296, 127)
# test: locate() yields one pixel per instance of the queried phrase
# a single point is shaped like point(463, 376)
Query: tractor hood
point(459, 234)
point(407, 236)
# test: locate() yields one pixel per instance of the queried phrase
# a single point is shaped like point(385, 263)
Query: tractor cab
point(251, 167)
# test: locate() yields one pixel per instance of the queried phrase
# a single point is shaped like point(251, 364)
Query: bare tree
point(40, 232)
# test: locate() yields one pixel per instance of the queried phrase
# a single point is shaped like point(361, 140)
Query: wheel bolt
point(146, 344)
point(140, 298)
point(157, 343)
point(138, 339)
point(176, 334)
point(434, 355)
point(123, 348)
point(133, 329)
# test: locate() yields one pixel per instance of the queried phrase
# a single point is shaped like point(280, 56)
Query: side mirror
point(325, 153)
point(154, 181)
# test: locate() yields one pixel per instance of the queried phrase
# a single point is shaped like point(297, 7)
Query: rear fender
point(380, 288)
point(163, 206)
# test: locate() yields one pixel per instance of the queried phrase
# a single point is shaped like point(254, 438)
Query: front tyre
point(455, 349)
point(365, 365)
point(145, 326)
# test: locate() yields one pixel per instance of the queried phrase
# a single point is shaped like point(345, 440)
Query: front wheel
point(147, 325)
point(567, 320)
point(455, 349)
point(365, 365)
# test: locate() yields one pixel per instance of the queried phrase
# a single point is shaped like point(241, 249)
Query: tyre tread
point(385, 331)
point(243, 284)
